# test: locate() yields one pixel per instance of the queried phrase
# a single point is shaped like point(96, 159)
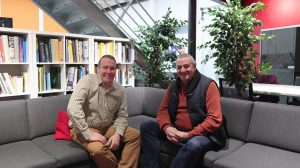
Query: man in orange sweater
point(189, 117)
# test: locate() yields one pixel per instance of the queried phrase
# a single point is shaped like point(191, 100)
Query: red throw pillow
point(62, 130)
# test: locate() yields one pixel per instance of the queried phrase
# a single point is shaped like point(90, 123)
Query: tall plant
point(156, 43)
point(232, 30)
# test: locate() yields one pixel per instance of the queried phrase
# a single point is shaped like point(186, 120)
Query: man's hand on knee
point(113, 142)
point(97, 137)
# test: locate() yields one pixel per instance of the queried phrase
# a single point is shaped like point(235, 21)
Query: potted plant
point(158, 45)
point(232, 30)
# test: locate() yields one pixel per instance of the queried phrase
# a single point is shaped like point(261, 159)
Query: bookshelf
point(77, 52)
point(48, 64)
point(15, 64)
point(52, 63)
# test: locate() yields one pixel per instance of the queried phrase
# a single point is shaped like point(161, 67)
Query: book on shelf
point(60, 51)
point(70, 77)
point(37, 52)
point(11, 49)
point(40, 79)
point(53, 50)
point(118, 52)
point(25, 81)
point(101, 48)
point(110, 48)
point(70, 51)
point(67, 56)
point(82, 71)
point(18, 82)
point(48, 81)
point(21, 52)
point(8, 83)
point(79, 51)
point(2, 56)
point(3, 85)
point(75, 77)
point(41, 49)
point(16, 49)
point(47, 51)
point(24, 49)
point(124, 74)
point(85, 51)
point(74, 49)
point(5, 47)
point(127, 53)
point(55, 77)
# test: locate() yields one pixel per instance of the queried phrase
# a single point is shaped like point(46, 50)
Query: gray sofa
point(260, 135)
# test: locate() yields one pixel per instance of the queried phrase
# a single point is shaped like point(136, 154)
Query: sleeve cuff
point(120, 131)
point(86, 134)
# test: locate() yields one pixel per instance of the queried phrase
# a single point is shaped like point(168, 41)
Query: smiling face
point(107, 70)
point(185, 69)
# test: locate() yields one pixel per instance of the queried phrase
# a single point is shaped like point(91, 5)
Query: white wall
point(204, 19)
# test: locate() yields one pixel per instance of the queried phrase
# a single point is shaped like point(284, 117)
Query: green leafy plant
point(232, 30)
point(156, 43)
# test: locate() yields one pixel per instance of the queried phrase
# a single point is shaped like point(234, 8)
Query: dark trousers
point(190, 155)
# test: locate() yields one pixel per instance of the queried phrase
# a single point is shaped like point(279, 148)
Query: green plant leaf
point(232, 30)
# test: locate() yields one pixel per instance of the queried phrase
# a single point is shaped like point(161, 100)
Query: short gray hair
point(185, 55)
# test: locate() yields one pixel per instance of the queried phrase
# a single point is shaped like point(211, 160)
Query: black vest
point(196, 104)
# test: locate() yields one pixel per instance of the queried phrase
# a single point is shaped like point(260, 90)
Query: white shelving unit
point(16, 67)
point(44, 63)
point(44, 60)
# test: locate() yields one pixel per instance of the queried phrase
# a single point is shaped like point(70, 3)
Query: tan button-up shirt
point(93, 106)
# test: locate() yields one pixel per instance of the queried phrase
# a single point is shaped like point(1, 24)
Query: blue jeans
point(190, 154)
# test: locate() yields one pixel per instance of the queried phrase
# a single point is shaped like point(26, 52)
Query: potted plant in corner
point(232, 30)
point(157, 44)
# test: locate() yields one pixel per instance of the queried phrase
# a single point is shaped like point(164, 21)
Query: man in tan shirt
point(98, 118)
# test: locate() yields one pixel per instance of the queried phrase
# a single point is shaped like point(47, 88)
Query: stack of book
point(12, 84)
point(12, 49)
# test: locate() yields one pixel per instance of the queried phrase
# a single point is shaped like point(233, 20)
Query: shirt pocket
point(113, 106)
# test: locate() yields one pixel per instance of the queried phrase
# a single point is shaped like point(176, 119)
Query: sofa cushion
point(237, 115)
point(134, 100)
point(62, 130)
point(24, 154)
point(13, 121)
point(275, 125)
point(42, 114)
point(231, 146)
point(65, 152)
point(259, 156)
point(136, 121)
point(151, 100)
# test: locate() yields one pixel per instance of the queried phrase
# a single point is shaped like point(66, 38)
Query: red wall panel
point(277, 13)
